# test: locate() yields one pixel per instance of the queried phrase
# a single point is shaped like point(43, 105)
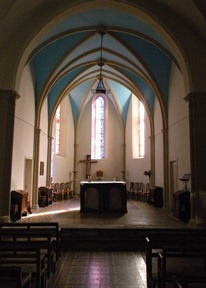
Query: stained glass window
point(141, 130)
point(57, 138)
point(138, 128)
point(98, 128)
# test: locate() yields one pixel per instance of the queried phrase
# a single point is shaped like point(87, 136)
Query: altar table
point(103, 196)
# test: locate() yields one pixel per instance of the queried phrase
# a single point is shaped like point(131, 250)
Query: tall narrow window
point(61, 128)
point(98, 128)
point(138, 127)
point(141, 130)
point(58, 121)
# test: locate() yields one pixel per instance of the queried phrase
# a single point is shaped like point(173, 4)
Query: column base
point(5, 219)
point(197, 222)
point(35, 206)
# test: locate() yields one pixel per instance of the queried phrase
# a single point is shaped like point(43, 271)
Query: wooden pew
point(186, 284)
point(187, 263)
point(40, 235)
point(25, 256)
point(13, 276)
point(157, 239)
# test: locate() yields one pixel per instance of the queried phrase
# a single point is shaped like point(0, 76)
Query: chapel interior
point(103, 110)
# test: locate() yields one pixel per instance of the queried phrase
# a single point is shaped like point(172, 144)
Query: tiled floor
point(99, 269)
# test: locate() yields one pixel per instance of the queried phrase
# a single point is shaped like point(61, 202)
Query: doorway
point(28, 178)
point(173, 181)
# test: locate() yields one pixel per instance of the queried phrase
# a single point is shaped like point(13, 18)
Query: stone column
point(152, 159)
point(165, 167)
point(7, 114)
point(123, 171)
point(197, 116)
point(36, 168)
point(49, 158)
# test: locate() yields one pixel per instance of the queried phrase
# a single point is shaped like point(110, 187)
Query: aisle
point(101, 270)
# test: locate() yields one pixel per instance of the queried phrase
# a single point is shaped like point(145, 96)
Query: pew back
point(37, 235)
point(159, 239)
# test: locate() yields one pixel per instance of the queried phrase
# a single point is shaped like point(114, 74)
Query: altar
point(103, 196)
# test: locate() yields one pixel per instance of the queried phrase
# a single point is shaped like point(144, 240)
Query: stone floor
point(140, 214)
point(102, 269)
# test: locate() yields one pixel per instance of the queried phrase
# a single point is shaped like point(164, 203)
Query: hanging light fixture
point(101, 89)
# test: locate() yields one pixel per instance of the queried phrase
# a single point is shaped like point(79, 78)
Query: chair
point(68, 189)
point(138, 189)
point(129, 192)
point(145, 193)
point(56, 192)
point(63, 192)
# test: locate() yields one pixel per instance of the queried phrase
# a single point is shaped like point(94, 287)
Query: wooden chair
point(145, 193)
point(138, 189)
point(56, 192)
point(69, 191)
point(131, 189)
point(63, 193)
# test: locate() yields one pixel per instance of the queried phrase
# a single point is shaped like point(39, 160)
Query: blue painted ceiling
point(136, 60)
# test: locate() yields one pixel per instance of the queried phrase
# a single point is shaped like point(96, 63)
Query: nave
point(102, 267)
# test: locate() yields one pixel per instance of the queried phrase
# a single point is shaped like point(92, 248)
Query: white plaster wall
point(23, 130)
point(178, 118)
point(63, 165)
point(135, 167)
point(113, 163)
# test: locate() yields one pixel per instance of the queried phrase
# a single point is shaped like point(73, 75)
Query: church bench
point(157, 239)
point(13, 276)
point(31, 260)
point(40, 235)
point(185, 283)
point(187, 263)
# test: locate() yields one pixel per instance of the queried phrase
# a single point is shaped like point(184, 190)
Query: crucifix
point(88, 162)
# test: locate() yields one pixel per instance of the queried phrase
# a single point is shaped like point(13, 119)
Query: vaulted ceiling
point(137, 59)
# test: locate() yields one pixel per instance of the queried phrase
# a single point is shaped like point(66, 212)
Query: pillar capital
point(9, 93)
point(195, 96)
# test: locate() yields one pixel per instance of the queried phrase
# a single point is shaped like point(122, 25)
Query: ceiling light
point(100, 89)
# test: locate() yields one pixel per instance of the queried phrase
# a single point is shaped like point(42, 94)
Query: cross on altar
point(88, 162)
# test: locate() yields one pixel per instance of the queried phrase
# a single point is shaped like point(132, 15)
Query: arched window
point(98, 128)
point(57, 136)
point(138, 127)
point(141, 130)
point(61, 129)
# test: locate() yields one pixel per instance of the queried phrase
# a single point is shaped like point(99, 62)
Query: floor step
point(104, 239)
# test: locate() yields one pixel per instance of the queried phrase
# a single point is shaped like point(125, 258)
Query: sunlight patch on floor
point(53, 212)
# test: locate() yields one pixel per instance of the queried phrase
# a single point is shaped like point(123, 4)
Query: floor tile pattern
point(101, 270)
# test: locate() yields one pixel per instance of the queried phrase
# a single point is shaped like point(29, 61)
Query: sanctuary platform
point(108, 230)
